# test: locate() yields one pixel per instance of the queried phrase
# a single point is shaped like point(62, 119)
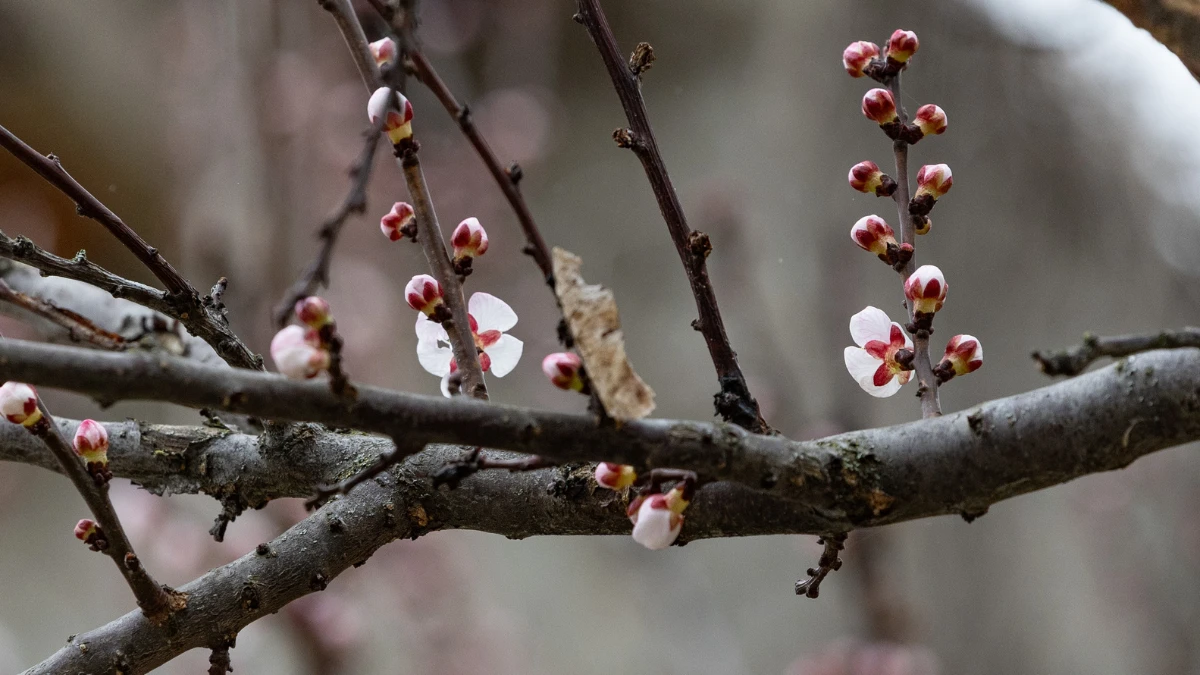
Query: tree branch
point(959, 463)
point(1075, 360)
point(78, 327)
point(734, 402)
point(184, 301)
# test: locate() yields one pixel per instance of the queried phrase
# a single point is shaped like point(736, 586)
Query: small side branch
point(1075, 360)
point(475, 461)
point(829, 562)
point(219, 660)
point(400, 452)
point(79, 328)
point(156, 602)
point(734, 402)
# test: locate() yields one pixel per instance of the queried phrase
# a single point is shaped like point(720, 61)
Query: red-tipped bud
point(91, 444)
point(398, 123)
point(469, 239)
point(964, 354)
point(657, 519)
point(384, 51)
point(313, 312)
point(879, 106)
point(873, 234)
point(19, 404)
point(90, 533)
point(866, 177)
point(398, 222)
point(926, 290)
point(902, 45)
point(564, 370)
point(424, 294)
point(934, 180)
point(298, 353)
point(858, 56)
point(615, 476)
point(930, 119)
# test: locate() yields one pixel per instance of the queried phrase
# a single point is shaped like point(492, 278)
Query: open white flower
point(490, 317)
point(873, 362)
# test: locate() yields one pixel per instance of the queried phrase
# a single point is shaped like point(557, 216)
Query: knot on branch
point(699, 245)
point(735, 405)
point(627, 138)
point(642, 59)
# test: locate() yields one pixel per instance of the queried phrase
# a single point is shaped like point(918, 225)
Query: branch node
point(829, 562)
point(642, 59)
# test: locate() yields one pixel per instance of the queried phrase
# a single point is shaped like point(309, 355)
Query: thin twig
point(475, 461)
point(402, 450)
point(927, 383)
point(156, 602)
point(1075, 360)
point(219, 660)
point(316, 275)
point(187, 305)
point(356, 40)
point(79, 328)
point(734, 402)
point(829, 562)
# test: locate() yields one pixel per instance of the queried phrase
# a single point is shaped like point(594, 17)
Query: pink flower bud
point(19, 404)
point(298, 353)
point(563, 369)
point(615, 476)
point(926, 289)
point(469, 239)
point(872, 234)
point(398, 124)
point(934, 180)
point(657, 519)
point(384, 51)
point(866, 177)
point(964, 354)
point(879, 106)
point(313, 312)
point(91, 444)
point(902, 45)
point(424, 294)
point(930, 119)
point(90, 533)
point(395, 223)
point(858, 56)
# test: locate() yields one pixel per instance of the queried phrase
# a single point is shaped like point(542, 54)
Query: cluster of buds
point(565, 371)
point(615, 476)
point(396, 111)
point(658, 518)
point(400, 222)
point(91, 445)
point(19, 404)
point(424, 294)
point(90, 533)
point(384, 51)
point(879, 106)
point(303, 352)
point(863, 59)
point(872, 233)
point(470, 241)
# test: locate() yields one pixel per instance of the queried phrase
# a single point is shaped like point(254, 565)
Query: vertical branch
point(356, 41)
point(156, 602)
point(734, 402)
point(927, 383)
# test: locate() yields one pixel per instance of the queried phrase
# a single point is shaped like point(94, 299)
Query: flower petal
point(430, 331)
point(505, 354)
point(871, 323)
point(446, 385)
point(862, 367)
point(434, 358)
point(491, 313)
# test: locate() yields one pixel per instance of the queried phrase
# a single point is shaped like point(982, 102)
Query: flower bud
point(313, 312)
point(298, 353)
point(91, 444)
point(902, 45)
point(879, 106)
point(398, 123)
point(19, 404)
point(90, 533)
point(867, 178)
point(858, 56)
point(564, 370)
point(926, 290)
point(657, 519)
point(615, 476)
point(930, 119)
point(384, 51)
point(964, 354)
point(922, 224)
point(934, 180)
point(873, 234)
point(424, 294)
point(401, 220)
point(469, 239)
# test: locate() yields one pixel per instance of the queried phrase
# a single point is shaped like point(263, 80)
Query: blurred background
point(222, 132)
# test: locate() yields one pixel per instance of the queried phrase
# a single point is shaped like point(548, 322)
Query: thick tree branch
point(1175, 23)
point(734, 402)
point(1075, 360)
point(959, 463)
point(184, 301)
